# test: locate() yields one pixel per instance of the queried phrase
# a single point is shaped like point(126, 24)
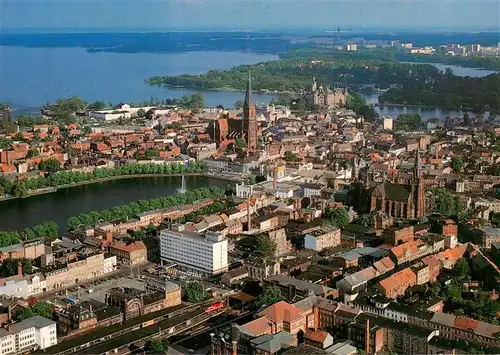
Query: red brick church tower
point(419, 187)
point(249, 114)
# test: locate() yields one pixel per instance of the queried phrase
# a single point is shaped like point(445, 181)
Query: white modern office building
point(205, 253)
point(32, 333)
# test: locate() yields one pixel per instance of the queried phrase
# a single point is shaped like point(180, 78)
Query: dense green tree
point(408, 122)
point(19, 190)
point(365, 219)
point(5, 143)
point(195, 292)
point(23, 313)
point(291, 157)
point(461, 269)
point(265, 248)
point(358, 104)
point(447, 203)
point(43, 309)
point(49, 165)
point(10, 267)
point(141, 113)
point(305, 202)
point(456, 164)
point(29, 121)
point(157, 346)
point(32, 153)
point(270, 296)
point(337, 216)
point(97, 105)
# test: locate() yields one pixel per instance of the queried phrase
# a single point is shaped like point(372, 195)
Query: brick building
point(397, 284)
point(133, 302)
point(130, 254)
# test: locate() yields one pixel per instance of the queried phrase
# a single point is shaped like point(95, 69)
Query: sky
point(185, 15)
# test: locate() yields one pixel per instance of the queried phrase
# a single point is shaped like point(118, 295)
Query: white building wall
point(46, 337)
point(109, 264)
point(194, 251)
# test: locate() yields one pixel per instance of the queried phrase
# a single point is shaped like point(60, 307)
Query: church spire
point(418, 165)
point(249, 94)
point(249, 111)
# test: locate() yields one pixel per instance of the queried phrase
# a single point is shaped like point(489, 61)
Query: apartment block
point(396, 284)
point(320, 240)
point(32, 333)
point(205, 253)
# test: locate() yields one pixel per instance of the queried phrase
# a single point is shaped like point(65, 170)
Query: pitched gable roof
point(281, 311)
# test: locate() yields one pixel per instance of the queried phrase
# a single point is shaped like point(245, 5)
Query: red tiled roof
point(431, 261)
point(318, 336)
point(278, 312)
point(408, 247)
point(453, 254)
point(465, 323)
point(130, 247)
point(384, 265)
point(403, 277)
point(258, 327)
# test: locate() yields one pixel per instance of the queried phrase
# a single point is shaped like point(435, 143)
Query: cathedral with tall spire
point(227, 128)
point(404, 198)
point(249, 114)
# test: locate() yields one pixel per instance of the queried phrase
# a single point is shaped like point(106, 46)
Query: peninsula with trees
point(401, 83)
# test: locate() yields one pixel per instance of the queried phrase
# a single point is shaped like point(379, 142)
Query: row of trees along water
point(56, 178)
point(51, 230)
point(133, 209)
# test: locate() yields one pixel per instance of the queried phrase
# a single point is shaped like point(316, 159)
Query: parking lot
point(99, 289)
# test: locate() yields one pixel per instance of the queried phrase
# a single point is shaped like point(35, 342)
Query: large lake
point(59, 206)
point(31, 77)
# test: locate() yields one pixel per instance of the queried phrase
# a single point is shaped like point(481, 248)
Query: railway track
point(164, 329)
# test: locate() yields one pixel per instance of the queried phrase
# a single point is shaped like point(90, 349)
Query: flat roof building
point(205, 253)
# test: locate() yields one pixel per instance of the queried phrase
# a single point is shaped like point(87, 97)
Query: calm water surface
point(460, 71)
point(58, 206)
point(31, 77)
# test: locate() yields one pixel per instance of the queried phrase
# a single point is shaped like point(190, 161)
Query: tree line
point(51, 229)
point(417, 84)
point(21, 188)
point(295, 74)
point(131, 210)
point(46, 229)
point(449, 92)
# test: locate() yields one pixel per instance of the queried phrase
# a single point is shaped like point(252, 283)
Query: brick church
point(402, 199)
point(245, 127)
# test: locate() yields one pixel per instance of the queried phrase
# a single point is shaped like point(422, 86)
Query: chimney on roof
point(109, 236)
point(20, 269)
point(316, 317)
point(367, 337)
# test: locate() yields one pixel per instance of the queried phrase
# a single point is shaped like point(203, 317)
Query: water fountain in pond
point(182, 189)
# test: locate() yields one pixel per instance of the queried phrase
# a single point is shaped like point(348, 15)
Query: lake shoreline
point(48, 190)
